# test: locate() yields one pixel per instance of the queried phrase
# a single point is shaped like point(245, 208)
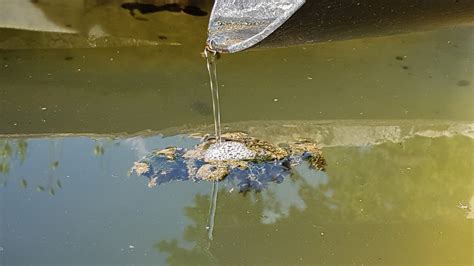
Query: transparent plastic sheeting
point(237, 25)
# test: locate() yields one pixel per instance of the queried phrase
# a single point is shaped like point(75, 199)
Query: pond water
point(393, 116)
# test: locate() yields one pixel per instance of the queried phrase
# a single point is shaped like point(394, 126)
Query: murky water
point(96, 90)
point(394, 118)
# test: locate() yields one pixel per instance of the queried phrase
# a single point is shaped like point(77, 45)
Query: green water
point(116, 90)
point(394, 117)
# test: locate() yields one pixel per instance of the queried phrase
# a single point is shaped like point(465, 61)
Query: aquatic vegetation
point(244, 162)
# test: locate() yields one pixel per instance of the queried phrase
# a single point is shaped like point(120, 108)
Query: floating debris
point(243, 161)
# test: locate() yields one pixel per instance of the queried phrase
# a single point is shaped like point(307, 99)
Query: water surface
point(71, 200)
point(394, 118)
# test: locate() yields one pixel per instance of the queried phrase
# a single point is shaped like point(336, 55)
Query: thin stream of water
point(212, 210)
point(211, 57)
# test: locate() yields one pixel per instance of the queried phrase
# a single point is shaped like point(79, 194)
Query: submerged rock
point(246, 162)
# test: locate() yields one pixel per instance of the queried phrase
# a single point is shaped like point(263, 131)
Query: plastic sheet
point(237, 25)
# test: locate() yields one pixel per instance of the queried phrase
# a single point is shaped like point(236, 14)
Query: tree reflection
point(16, 150)
point(9, 151)
point(380, 204)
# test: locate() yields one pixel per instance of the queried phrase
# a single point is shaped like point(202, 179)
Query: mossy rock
point(248, 162)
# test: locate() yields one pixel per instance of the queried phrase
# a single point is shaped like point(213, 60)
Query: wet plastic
point(237, 25)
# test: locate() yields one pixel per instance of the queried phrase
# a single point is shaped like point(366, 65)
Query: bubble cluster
point(228, 151)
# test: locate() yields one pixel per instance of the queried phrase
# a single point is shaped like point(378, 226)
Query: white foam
point(228, 151)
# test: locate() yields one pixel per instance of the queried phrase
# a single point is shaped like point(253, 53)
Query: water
point(397, 203)
point(359, 79)
point(398, 143)
point(211, 58)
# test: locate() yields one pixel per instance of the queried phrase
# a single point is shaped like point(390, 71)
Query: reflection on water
point(407, 201)
point(11, 150)
point(388, 113)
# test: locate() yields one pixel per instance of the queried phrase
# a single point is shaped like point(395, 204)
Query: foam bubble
point(228, 151)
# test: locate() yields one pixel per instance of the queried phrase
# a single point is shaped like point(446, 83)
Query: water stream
point(211, 57)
